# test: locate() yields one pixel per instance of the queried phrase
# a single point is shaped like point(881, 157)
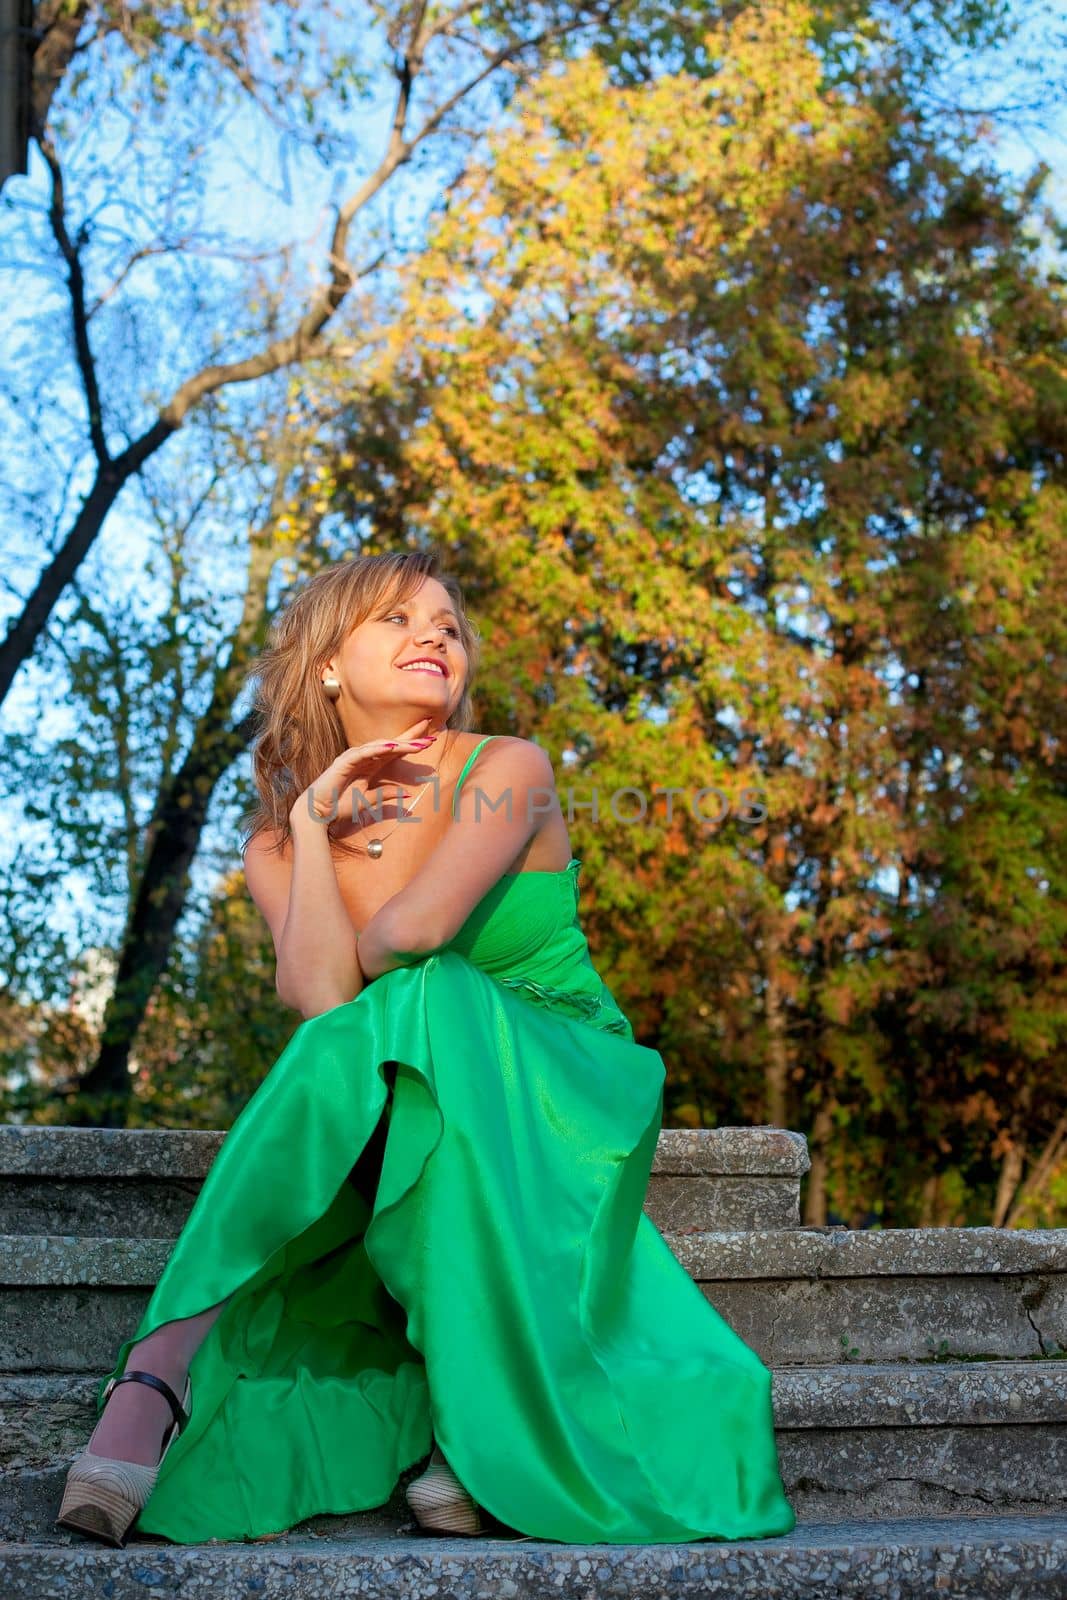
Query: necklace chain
point(375, 847)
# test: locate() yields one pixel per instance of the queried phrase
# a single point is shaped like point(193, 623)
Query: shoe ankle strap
point(181, 1416)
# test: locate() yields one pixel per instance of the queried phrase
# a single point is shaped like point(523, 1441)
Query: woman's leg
point(136, 1418)
point(367, 1172)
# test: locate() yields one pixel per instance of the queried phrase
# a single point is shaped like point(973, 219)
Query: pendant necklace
point(374, 848)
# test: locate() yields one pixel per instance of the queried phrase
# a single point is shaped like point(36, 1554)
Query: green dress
point(430, 1217)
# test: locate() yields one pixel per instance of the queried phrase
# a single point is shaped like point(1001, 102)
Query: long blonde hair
point(301, 731)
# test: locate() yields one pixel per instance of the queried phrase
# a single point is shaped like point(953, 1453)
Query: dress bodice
point(526, 933)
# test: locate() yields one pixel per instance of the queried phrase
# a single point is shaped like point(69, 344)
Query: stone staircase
point(920, 1392)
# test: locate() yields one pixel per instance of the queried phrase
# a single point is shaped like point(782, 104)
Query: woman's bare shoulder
point(504, 741)
point(516, 745)
point(266, 844)
point(265, 837)
point(510, 755)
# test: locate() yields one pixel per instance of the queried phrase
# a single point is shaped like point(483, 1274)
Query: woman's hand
point(356, 769)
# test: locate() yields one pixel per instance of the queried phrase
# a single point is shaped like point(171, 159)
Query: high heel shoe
point(440, 1501)
point(104, 1497)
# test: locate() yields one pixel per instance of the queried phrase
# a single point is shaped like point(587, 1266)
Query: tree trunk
point(776, 1073)
point(1037, 1180)
point(173, 836)
point(1011, 1171)
point(1014, 1163)
point(815, 1206)
point(29, 623)
point(160, 900)
point(928, 1200)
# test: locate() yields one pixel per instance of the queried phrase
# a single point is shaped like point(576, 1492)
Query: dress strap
point(466, 768)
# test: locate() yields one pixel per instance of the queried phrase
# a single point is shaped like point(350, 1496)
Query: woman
point(425, 1229)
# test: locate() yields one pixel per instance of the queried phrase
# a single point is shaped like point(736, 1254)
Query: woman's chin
point(429, 699)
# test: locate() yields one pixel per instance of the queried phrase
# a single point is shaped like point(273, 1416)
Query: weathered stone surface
point(894, 1319)
point(151, 1207)
point(146, 1207)
point(829, 1476)
point(45, 1417)
point(188, 1153)
point(843, 1252)
point(46, 1261)
point(871, 1419)
point(693, 1204)
point(72, 1330)
point(835, 1474)
point(979, 1558)
point(813, 1295)
point(797, 1296)
point(759, 1150)
point(108, 1152)
point(974, 1393)
point(882, 1441)
point(805, 1254)
point(143, 1182)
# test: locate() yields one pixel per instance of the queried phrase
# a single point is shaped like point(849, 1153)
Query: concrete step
point(736, 1178)
point(797, 1296)
point(807, 1296)
point(981, 1558)
point(887, 1441)
point(953, 1439)
point(143, 1181)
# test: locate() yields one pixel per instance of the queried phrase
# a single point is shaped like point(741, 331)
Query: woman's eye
point(453, 631)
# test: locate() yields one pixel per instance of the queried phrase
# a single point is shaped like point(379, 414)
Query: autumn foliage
point(740, 405)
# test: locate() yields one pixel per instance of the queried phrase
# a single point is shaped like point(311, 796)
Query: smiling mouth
point(434, 672)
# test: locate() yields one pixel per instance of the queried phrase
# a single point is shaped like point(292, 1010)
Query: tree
point(721, 387)
point(738, 423)
point(293, 323)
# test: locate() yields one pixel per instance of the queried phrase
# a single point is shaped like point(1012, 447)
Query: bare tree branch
point(295, 347)
point(79, 318)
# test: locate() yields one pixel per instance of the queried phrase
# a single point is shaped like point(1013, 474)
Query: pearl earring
point(332, 687)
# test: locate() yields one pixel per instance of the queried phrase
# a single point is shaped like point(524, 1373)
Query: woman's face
point(372, 663)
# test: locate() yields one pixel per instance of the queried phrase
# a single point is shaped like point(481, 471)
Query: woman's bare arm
point(518, 784)
point(300, 898)
point(320, 962)
point(314, 940)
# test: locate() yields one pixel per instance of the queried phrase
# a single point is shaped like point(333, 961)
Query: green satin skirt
point(497, 1287)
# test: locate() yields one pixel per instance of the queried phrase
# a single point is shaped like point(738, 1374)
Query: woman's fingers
point(380, 751)
point(360, 763)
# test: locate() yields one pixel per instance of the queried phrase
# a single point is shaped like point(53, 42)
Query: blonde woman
point(424, 1234)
